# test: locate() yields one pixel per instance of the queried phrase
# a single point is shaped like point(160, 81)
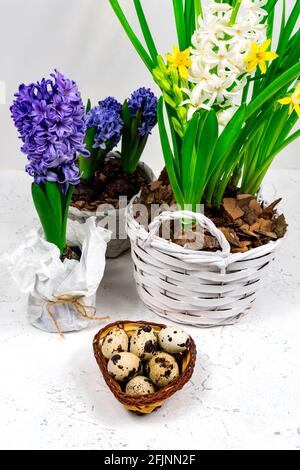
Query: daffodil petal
point(286, 100)
point(270, 55)
point(251, 66)
point(265, 45)
point(175, 50)
point(263, 66)
point(254, 48)
point(186, 54)
point(183, 71)
point(170, 58)
point(250, 58)
point(297, 109)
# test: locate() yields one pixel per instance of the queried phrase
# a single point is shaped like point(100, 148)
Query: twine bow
point(75, 302)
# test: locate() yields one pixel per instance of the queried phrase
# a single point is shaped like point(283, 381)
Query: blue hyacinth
point(108, 124)
point(145, 101)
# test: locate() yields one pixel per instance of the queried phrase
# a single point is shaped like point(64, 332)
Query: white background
point(83, 39)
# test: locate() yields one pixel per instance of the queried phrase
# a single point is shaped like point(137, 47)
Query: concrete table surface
point(245, 392)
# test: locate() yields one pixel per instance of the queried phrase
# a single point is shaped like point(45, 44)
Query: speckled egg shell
point(163, 369)
point(173, 340)
point(143, 343)
point(124, 366)
point(139, 386)
point(116, 341)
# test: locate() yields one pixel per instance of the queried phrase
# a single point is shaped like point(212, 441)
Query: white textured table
point(245, 392)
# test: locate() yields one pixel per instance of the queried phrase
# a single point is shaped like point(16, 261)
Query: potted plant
point(225, 91)
point(109, 179)
point(60, 271)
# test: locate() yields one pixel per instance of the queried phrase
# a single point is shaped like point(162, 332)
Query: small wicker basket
point(144, 404)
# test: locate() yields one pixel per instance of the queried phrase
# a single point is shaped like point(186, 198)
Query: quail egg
point(143, 343)
point(123, 366)
point(139, 386)
point(173, 340)
point(115, 341)
point(163, 369)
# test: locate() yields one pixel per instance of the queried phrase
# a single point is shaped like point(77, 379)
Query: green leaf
point(146, 31)
point(180, 24)
point(270, 5)
point(66, 205)
point(229, 136)
point(54, 197)
point(46, 215)
point(290, 123)
point(190, 18)
point(283, 80)
point(126, 142)
point(188, 149)
point(132, 36)
point(206, 147)
point(168, 155)
point(90, 138)
point(273, 131)
point(88, 106)
point(86, 163)
point(198, 8)
point(283, 46)
point(289, 28)
point(285, 143)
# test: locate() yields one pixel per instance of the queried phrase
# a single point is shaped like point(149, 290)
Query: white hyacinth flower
point(224, 59)
point(217, 54)
point(225, 115)
point(253, 9)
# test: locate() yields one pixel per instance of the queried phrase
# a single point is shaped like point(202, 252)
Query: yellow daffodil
point(293, 100)
point(258, 56)
point(180, 60)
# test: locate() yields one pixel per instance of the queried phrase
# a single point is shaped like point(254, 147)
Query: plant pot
point(115, 220)
point(199, 288)
point(62, 296)
point(149, 403)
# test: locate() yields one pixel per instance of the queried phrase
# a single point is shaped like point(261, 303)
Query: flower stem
point(235, 12)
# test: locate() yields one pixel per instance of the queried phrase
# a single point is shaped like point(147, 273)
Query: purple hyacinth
point(107, 121)
point(145, 101)
point(50, 118)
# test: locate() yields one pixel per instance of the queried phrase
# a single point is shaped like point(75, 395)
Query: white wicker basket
point(119, 242)
point(198, 288)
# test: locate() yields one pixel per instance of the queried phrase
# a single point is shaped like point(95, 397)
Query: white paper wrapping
point(36, 268)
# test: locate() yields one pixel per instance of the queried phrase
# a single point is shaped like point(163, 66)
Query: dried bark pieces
point(231, 208)
point(243, 220)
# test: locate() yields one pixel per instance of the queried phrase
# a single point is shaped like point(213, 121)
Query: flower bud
point(162, 65)
point(182, 113)
point(174, 75)
point(169, 100)
point(165, 86)
point(178, 94)
point(177, 127)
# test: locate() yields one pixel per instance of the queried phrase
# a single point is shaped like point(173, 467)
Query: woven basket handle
point(203, 221)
